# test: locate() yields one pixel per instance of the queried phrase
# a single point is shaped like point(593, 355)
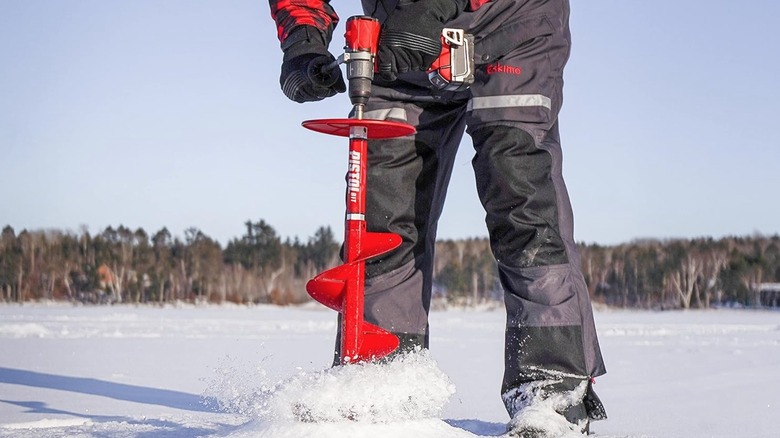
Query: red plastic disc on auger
point(377, 129)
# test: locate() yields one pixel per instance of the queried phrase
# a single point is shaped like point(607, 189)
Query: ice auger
point(342, 288)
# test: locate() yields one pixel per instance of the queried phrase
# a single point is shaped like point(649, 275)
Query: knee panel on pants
point(516, 188)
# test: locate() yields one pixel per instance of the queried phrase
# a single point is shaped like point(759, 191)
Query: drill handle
point(323, 71)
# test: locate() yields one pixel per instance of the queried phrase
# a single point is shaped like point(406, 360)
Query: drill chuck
point(360, 73)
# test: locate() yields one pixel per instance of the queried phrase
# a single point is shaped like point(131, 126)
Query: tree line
point(121, 265)
point(682, 273)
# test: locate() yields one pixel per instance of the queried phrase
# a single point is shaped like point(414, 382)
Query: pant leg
point(550, 330)
point(513, 121)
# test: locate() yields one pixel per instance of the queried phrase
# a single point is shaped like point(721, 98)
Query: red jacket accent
point(289, 14)
point(476, 4)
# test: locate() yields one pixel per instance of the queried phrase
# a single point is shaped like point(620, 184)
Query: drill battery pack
point(454, 69)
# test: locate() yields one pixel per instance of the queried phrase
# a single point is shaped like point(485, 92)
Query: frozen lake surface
point(125, 371)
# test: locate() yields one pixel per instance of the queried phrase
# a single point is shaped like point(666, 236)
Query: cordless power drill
point(453, 70)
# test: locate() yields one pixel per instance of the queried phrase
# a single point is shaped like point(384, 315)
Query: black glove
point(305, 74)
point(411, 36)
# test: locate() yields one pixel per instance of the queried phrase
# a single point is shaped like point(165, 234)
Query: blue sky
point(151, 114)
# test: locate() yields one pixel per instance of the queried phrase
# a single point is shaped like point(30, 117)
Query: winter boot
point(552, 408)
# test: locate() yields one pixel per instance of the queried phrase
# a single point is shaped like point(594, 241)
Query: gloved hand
point(303, 78)
point(411, 37)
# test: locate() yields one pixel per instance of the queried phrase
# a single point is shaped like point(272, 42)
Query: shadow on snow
point(479, 427)
point(118, 391)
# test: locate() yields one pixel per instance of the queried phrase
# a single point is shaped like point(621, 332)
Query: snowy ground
point(143, 371)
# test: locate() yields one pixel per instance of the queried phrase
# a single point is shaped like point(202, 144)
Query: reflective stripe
point(356, 217)
point(515, 100)
point(385, 114)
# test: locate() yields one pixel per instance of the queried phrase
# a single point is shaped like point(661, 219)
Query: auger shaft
point(355, 223)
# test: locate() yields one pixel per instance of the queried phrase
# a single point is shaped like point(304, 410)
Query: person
point(511, 113)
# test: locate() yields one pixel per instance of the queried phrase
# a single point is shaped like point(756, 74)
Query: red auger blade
point(375, 244)
point(329, 287)
point(376, 343)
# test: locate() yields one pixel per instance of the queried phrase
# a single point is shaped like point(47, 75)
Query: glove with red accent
point(304, 77)
point(411, 37)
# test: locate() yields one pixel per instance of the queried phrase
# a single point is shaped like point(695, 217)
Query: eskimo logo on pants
point(497, 67)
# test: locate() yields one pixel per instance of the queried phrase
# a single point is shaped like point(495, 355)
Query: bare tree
point(712, 263)
point(684, 279)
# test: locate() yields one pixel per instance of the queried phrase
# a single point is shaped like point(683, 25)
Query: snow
point(233, 371)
